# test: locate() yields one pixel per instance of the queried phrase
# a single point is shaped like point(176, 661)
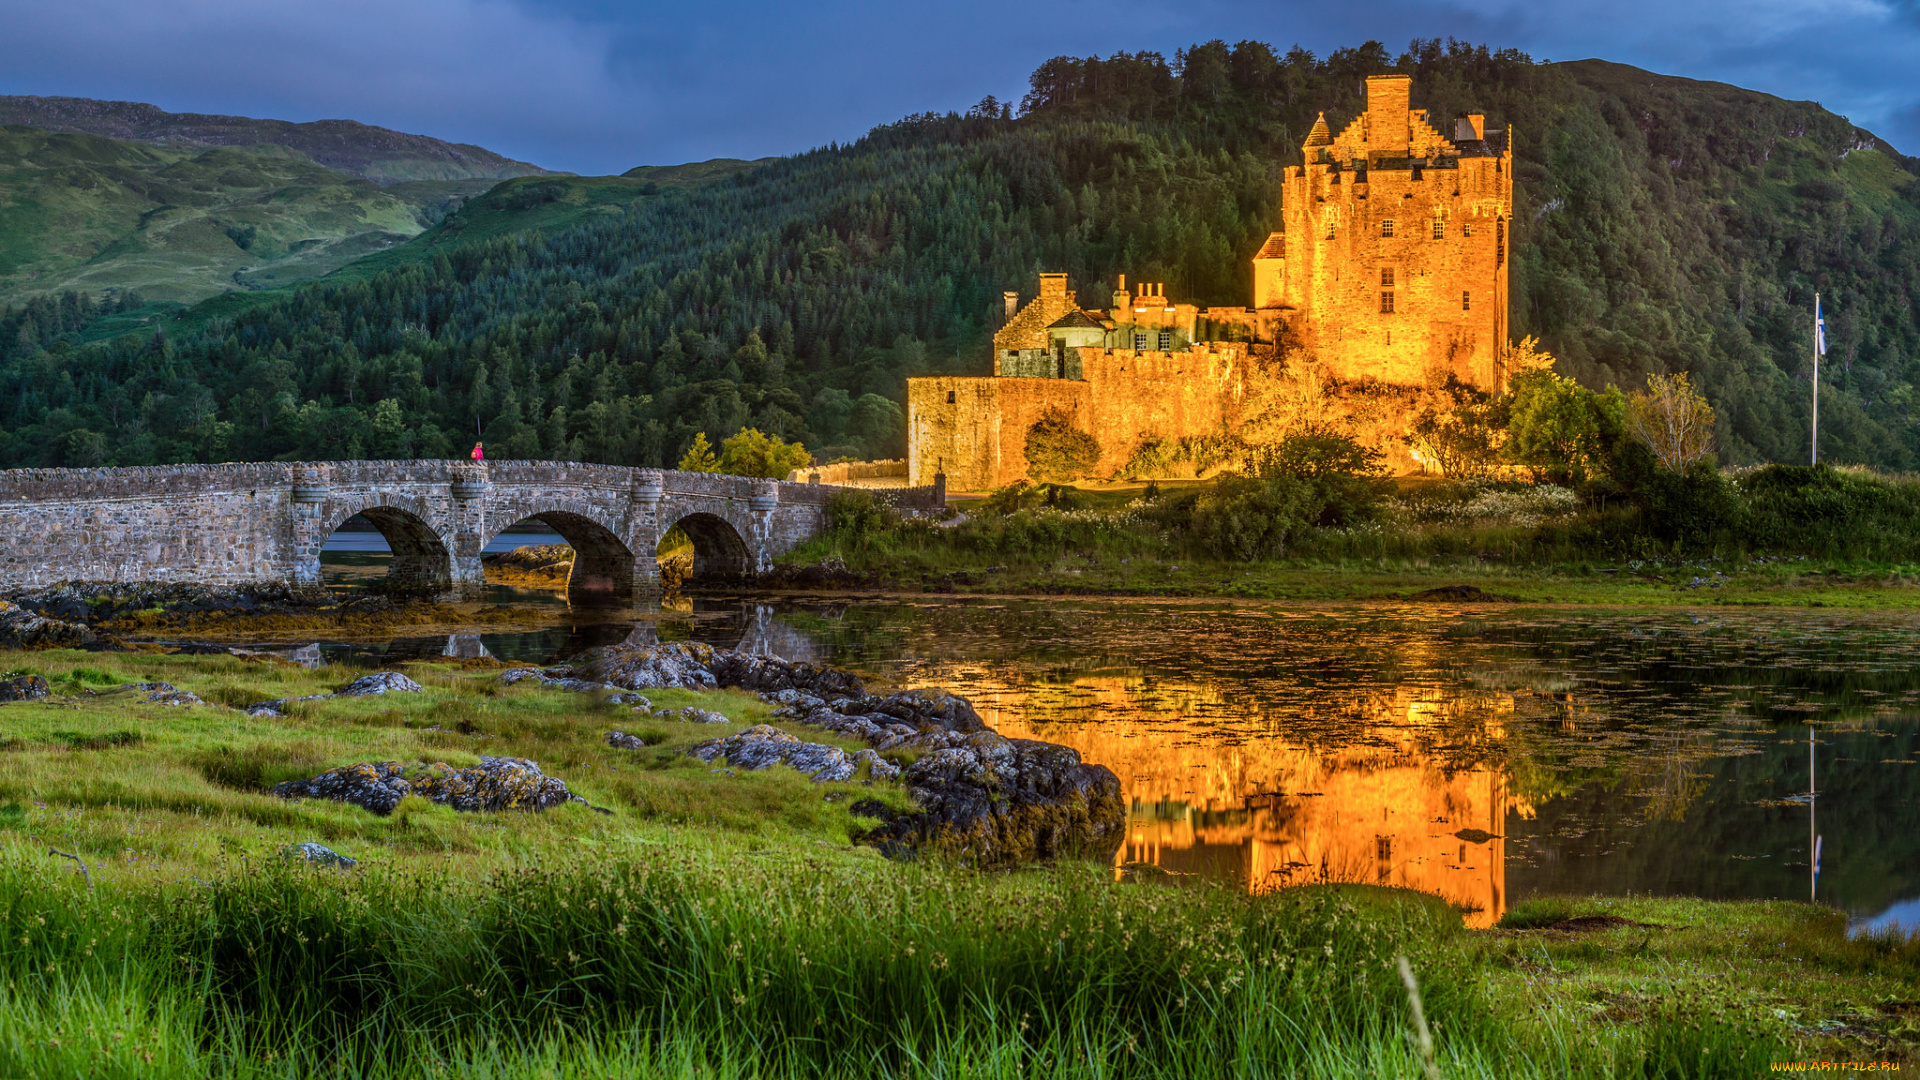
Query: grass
point(1100, 541)
point(722, 925)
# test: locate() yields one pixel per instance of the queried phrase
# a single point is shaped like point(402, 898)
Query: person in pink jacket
point(479, 454)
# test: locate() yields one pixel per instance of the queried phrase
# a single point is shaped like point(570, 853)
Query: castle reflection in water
point(1401, 797)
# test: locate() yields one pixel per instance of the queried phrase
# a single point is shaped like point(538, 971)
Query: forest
point(1662, 225)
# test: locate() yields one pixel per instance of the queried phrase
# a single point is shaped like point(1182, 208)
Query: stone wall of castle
point(975, 429)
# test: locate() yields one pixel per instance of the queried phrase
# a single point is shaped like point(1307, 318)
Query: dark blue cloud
point(598, 86)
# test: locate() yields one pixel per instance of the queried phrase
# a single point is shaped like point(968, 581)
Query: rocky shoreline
point(977, 795)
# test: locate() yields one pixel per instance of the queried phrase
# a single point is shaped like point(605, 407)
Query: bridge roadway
point(267, 521)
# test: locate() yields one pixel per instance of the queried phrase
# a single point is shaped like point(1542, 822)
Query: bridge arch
point(720, 547)
point(421, 561)
point(603, 560)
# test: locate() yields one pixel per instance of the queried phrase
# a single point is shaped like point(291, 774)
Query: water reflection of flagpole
point(1813, 836)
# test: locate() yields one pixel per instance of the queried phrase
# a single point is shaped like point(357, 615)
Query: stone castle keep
point(1390, 269)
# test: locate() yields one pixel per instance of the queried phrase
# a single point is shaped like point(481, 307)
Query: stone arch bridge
point(266, 522)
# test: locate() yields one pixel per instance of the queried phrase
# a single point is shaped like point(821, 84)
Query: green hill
point(1662, 224)
point(98, 215)
point(371, 153)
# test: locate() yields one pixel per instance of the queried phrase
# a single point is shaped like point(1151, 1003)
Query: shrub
point(1250, 519)
point(856, 517)
point(1012, 499)
point(1056, 450)
point(1312, 455)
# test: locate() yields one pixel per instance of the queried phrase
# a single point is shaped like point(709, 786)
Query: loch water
point(1486, 754)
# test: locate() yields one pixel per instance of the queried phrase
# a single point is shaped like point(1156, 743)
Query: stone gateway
point(267, 522)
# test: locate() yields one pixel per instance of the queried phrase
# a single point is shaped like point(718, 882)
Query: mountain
point(370, 153)
point(180, 223)
point(1661, 224)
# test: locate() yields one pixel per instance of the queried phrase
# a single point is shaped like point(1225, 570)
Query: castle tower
point(1392, 260)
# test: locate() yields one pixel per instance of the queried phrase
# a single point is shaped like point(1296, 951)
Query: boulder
point(693, 666)
point(997, 800)
point(23, 688)
point(374, 786)
point(503, 783)
point(320, 855)
point(624, 741)
point(24, 629)
point(763, 746)
point(380, 682)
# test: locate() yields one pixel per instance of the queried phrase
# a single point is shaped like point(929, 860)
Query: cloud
point(601, 85)
point(480, 71)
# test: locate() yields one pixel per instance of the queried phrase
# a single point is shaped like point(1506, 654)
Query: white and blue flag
point(1819, 328)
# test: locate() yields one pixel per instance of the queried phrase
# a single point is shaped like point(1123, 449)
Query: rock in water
point(503, 783)
point(23, 688)
point(380, 682)
point(693, 666)
point(999, 800)
point(320, 855)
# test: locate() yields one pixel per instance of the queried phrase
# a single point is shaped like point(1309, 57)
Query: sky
point(596, 86)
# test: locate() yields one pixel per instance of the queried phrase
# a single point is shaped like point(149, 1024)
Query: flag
point(1819, 328)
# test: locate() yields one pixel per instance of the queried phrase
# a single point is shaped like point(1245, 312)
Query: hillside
point(1662, 224)
point(100, 215)
point(370, 153)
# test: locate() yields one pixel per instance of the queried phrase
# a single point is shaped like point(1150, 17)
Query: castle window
point(1386, 227)
point(1166, 341)
point(1466, 228)
point(1386, 277)
point(950, 397)
point(1499, 242)
point(1386, 301)
point(1439, 229)
point(1466, 301)
point(1140, 342)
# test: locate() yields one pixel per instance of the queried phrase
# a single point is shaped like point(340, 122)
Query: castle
point(1390, 269)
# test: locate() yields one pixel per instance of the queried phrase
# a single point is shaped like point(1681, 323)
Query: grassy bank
point(1778, 536)
point(720, 923)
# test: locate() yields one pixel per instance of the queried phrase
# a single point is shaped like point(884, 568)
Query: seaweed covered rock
point(374, 786)
point(763, 746)
point(998, 800)
point(693, 666)
point(21, 628)
point(502, 783)
point(497, 783)
point(23, 688)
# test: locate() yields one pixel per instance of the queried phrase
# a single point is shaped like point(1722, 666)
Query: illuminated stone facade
point(1392, 261)
point(1391, 267)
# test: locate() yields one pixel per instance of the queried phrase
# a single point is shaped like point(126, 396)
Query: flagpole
point(1816, 378)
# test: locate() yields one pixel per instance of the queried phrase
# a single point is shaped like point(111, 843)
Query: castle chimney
point(1013, 303)
point(1470, 128)
point(1388, 133)
point(1122, 299)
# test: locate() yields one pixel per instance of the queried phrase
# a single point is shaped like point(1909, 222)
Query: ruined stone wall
point(976, 428)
